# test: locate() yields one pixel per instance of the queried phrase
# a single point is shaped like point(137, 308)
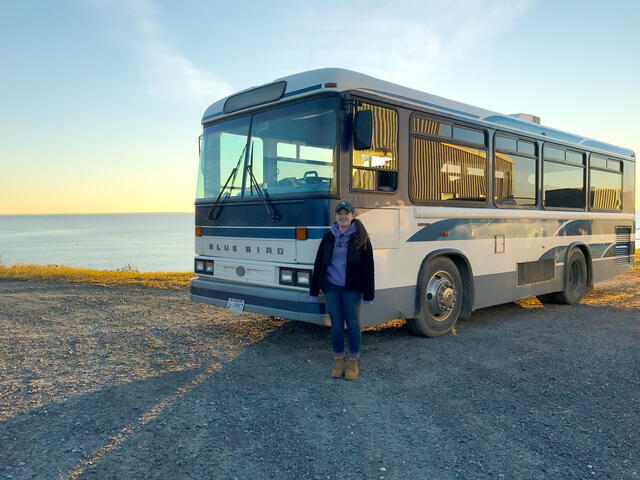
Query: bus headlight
point(199, 266)
point(303, 277)
point(294, 276)
point(203, 266)
point(286, 276)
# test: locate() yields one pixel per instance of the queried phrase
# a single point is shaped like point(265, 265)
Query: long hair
point(360, 236)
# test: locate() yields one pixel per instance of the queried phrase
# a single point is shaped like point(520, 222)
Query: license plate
point(235, 305)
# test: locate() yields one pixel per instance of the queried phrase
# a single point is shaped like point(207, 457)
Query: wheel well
point(587, 256)
point(466, 275)
point(467, 284)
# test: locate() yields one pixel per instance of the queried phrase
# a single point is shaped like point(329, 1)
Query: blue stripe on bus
point(597, 250)
point(303, 90)
point(487, 228)
point(309, 212)
point(256, 232)
point(602, 250)
point(289, 305)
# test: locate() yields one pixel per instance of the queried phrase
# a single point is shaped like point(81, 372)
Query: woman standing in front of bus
point(343, 270)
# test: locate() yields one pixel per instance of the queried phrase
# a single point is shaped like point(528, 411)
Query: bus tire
point(440, 298)
point(575, 283)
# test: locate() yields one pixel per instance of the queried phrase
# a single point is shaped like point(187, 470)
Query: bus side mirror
point(363, 130)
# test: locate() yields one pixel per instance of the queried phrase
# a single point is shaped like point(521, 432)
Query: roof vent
point(527, 117)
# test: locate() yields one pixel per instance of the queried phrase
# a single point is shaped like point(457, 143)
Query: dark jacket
point(359, 275)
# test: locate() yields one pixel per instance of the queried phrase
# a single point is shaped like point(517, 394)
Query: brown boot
point(338, 368)
point(352, 369)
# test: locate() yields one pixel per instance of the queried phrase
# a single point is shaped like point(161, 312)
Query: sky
point(101, 101)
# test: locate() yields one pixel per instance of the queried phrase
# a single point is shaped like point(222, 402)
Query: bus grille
point(623, 245)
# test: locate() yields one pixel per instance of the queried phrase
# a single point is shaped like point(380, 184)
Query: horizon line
point(92, 213)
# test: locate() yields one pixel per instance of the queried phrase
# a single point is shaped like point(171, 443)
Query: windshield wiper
point(217, 205)
point(264, 196)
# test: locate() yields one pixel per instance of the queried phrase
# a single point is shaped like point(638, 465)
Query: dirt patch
point(133, 382)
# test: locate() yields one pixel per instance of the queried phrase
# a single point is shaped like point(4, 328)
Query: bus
point(466, 208)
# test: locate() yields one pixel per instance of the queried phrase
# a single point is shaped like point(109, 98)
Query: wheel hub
point(441, 295)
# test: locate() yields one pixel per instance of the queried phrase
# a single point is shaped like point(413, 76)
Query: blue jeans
point(344, 307)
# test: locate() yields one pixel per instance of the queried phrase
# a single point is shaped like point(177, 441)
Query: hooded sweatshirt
point(337, 268)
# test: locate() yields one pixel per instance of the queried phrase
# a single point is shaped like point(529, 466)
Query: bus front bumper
point(278, 302)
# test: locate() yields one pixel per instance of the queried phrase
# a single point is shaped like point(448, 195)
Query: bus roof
point(341, 80)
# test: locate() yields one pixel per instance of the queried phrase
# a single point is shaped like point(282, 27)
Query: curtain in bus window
point(383, 154)
point(364, 179)
point(606, 190)
point(431, 127)
point(445, 171)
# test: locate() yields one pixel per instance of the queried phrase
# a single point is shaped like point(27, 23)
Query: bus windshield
point(292, 151)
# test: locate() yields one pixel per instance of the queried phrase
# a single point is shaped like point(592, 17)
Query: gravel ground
point(123, 382)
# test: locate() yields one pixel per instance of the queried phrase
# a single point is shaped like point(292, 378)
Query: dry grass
point(125, 276)
point(622, 291)
point(129, 276)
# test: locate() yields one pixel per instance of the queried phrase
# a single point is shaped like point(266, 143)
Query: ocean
point(149, 242)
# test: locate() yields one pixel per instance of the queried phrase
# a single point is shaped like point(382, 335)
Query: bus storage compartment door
point(383, 225)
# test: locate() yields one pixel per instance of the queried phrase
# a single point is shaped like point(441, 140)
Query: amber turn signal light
point(301, 233)
point(198, 231)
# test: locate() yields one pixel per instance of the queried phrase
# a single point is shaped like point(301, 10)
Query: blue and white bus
point(466, 208)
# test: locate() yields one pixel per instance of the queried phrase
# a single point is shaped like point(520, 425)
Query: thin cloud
point(405, 41)
point(168, 73)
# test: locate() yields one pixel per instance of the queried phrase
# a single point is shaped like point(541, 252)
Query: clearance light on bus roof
point(445, 234)
point(330, 85)
point(198, 231)
point(301, 233)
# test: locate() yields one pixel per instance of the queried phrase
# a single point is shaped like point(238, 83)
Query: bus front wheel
point(440, 290)
point(575, 285)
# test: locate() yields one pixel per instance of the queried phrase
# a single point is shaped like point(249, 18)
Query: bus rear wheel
point(575, 279)
point(440, 290)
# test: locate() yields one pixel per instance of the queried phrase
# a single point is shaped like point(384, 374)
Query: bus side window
point(514, 172)
point(376, 169)
point(447, 164)
point(563, 178)
point(605, 183)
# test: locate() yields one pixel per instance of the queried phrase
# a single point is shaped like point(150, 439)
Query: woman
point(344, 271)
